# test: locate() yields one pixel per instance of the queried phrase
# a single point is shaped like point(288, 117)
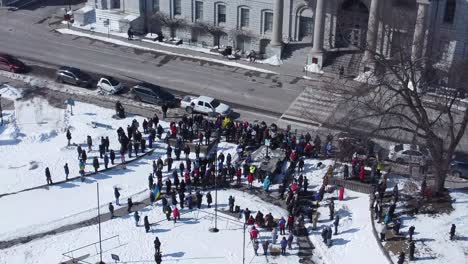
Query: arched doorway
point(243, 43)
point(351, 30)
point(305, 24)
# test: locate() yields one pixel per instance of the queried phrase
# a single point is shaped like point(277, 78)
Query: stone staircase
point(313, 107)
point(296, 53)
point(113, 15)
point(350, 60)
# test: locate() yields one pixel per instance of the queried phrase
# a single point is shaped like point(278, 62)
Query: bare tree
point(404, 99)
point(172, 23)
point(214, 30)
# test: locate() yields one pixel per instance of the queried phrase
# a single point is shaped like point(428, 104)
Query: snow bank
point(367, 77)
point(188, 241)
point(313, 68)
point(10, 92)
point(126, 44)
point(274, 60)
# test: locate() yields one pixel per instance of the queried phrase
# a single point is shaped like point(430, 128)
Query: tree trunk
point(441, 168)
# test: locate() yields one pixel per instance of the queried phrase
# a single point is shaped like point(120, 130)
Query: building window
point(155, 5)
point(268, 22)
point(221, 14)
point(244, 17)
point(444, 51)
point(177, 8)
point(449, 14)
point(198, 10)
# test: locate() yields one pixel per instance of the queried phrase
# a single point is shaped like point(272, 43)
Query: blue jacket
point(284, 243)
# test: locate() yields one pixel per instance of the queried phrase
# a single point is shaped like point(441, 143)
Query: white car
point(407, 153)
point(206, 105)
point(109, 85)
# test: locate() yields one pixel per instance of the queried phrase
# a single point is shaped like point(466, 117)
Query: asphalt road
point(27, 35)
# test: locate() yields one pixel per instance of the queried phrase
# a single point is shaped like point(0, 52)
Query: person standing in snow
point(136, 216)
point(231, 203)
point(95, 164)
point(255, 246)
point(69, 137)
point(274, 236)
point(315, 220)
point(336, 223)
point(282, 224)
point(401, 258)
point(129, 204)
point(158, 258)
point(164, 110)
point(67, 171)
point(111, 210)
point(331, 208)
point(79, 150)
point(112, 156)
point(265, 245)
point(168, 212)
point(48, 176)
point(452, 231)
point(116, 195)
point(290, 240)
point(106, 161)
point(383, 232)
point(199, 199)
point(266, 183)
point(284, 244)
point(89, 141)
point(411, 232)
point(176, 214)
point(209, 199)
point(157, 245)
point(146, 223)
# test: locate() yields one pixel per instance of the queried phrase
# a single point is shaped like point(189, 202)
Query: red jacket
point(175, 212)
point(253, 234)
point(250, 178)
point(290, 220)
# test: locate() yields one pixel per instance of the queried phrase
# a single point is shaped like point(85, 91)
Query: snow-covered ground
point(188, 241)
point(126, 44)
point(432, 233)
point(355, 238)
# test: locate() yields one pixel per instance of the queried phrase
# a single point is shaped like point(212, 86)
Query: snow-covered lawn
point(188, 241)
point(432, 233)
point(355, 238)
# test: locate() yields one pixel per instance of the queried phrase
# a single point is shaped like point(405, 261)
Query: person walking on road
point(48, 176)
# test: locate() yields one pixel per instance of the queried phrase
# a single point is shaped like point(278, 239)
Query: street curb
point(377, 238)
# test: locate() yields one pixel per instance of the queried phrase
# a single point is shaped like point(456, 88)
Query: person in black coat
point(231, 203)
point(150, 181)
point(412, 248)
point(95, 164)
point(129, 204)
point(116, 195)
point(157, 245)
point(401, 258)
point(452, 231)
point(146, 223)
point(111, 210)
point(67, 171)
point(411, 232)
point(48, 176)
point(168, 186)
point(346, 172)
point(209, 199)
point(173, 198)
point(199, 199)
point(181, 199)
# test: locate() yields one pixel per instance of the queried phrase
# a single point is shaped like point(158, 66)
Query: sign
point(115, 257)
point(106, 22)
point(70, 101)
point(267, 142)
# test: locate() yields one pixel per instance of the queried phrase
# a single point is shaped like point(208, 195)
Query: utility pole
point(1, 111)
point(99, 225)
point(215, 228)
point(243, 247)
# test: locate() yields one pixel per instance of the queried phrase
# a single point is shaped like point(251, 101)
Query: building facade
point(326, 26)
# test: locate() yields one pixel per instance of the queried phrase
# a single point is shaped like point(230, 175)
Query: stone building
point(326, 29)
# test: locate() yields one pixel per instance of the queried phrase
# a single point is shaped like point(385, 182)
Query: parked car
point(73, 76)
point(153, 94)
point(205, 105)
point(12, 64)
point(459, 169)
point(408, 153)
point(110, 85)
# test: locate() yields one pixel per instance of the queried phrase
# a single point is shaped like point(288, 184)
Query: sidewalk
point(285, 69)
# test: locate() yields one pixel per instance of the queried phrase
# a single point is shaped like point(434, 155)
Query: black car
point(154, 94)
point(73, 76)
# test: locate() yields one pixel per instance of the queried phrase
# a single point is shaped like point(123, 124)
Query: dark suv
point(154, 94)
point(73, 76)
point(10, 63)
point(459, 169)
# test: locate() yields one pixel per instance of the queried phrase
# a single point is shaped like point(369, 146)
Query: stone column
point(317, 53)
point(372, 30)
point(277, 36)
point(319, 27)
point(419, 30)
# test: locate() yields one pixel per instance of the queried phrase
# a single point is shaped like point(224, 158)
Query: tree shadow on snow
point(340, 241)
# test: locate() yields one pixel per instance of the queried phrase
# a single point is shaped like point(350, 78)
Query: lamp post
point(193, 121)
point(215, 228)
point(1, 111)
